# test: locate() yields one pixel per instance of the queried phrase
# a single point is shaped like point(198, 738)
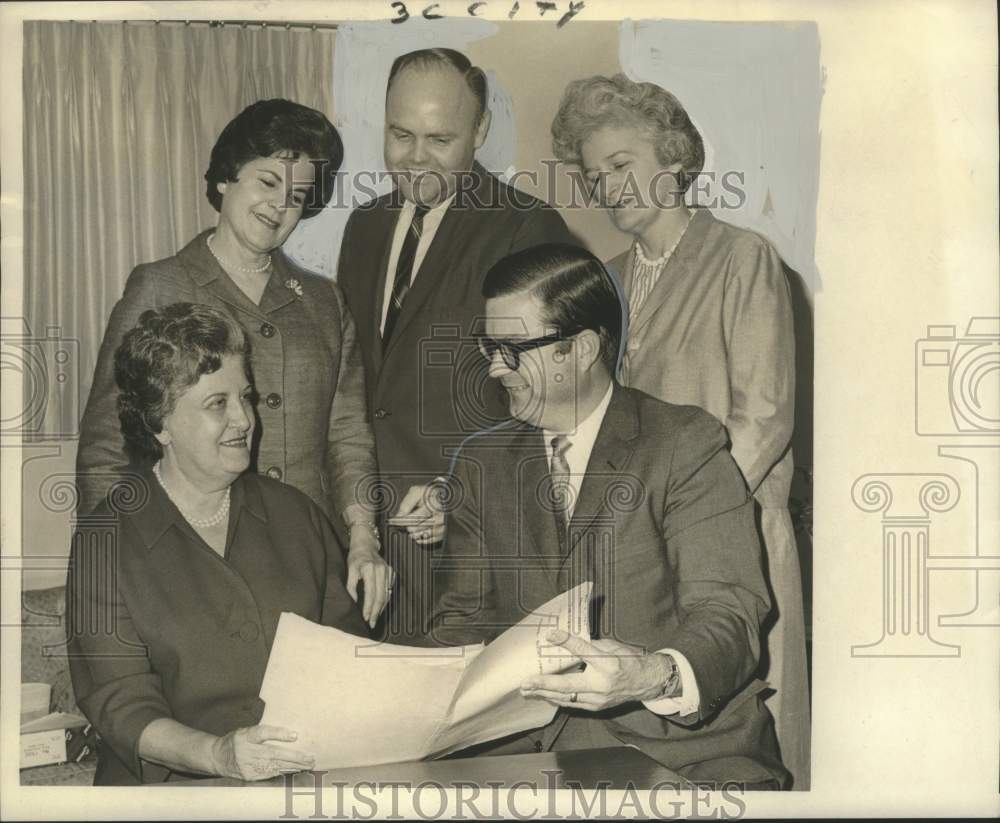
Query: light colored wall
point(530, 65)
point(534, 63)
point(46, 503)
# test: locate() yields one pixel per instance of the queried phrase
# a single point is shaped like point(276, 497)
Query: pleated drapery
point(119, 123)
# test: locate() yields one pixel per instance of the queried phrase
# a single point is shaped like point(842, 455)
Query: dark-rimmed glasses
point(511, 349)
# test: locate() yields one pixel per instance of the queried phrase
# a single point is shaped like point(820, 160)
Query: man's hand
point(614, 673)
point(364, 563)
point(421, 513)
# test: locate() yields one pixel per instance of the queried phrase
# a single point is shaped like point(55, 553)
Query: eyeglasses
point(512, 349)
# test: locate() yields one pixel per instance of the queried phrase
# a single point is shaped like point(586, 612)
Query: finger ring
point(572, 698)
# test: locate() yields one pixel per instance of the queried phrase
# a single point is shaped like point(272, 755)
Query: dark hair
point(574, 288)
point(164, 354)
point(269, 127)
point(474, 76)
point(595, 102)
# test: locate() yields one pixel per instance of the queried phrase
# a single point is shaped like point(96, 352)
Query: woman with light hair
point(710, 324)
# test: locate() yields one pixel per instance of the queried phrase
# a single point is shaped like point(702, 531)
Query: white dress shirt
point(581, 442)
point(432, 220)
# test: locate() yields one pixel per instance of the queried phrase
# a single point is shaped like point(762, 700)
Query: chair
point(43, 660)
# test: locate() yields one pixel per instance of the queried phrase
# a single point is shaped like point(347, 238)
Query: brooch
point(294, 285)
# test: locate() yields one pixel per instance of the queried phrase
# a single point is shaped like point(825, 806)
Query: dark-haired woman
point(168, 652)
point(273, 165)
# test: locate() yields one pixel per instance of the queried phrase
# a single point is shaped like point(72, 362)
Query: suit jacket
point(664, 528)
point(716, 332)
point(312, 427)
point(428, 390)
point(177, 631)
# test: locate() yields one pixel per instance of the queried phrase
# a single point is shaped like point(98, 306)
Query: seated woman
point(177, 580)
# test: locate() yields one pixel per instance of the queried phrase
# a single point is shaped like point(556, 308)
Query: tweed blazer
point(312, 426)
point(664, 527)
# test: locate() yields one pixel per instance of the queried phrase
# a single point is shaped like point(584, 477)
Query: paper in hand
point(355, 702)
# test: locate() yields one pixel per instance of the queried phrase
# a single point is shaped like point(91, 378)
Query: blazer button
point(381, 414)
point(538, 745)
point(274, 473)
point(249, 632)
point(267, 330)
point(273, 400)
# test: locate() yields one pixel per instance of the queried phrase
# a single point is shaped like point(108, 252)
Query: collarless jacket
point(178, 631)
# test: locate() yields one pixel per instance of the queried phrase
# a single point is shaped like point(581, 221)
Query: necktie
point(562, 491)
point(404, 273)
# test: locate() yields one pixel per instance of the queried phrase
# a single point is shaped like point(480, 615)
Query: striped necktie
point(404, 273)
point(562, 490)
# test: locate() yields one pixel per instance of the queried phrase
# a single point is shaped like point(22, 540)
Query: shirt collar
point(435, 213)
point(585, 435)
point(153, 517)
point(204, 268)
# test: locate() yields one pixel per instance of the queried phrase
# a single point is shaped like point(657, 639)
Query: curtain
point(119, 120)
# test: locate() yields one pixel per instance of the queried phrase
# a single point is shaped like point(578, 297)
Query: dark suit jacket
point(664, 528)
point(429, 389)
point(312, 430)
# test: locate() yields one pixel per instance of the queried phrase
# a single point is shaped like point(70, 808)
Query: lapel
point(603, 482)
point(459, 222)
point(206, 272)
point(622, 265)
point(277, 294)
point(538, 521)
point(681, 265)
point(387, 216)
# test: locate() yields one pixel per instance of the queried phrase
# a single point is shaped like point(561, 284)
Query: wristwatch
point(672, 682)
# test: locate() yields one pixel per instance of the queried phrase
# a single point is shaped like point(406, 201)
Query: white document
point(354, 702)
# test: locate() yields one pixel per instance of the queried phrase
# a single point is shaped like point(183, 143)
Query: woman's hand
point(421, 513)
point(247, 754)
point(365, 564)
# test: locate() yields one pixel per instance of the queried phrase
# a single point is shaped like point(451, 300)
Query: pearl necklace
point(245, 269)
point(659, 261)
point(199, 522)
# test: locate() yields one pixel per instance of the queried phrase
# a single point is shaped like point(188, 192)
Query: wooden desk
point(612, 768)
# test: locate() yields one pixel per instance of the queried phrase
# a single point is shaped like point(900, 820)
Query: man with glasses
point(590, 480)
